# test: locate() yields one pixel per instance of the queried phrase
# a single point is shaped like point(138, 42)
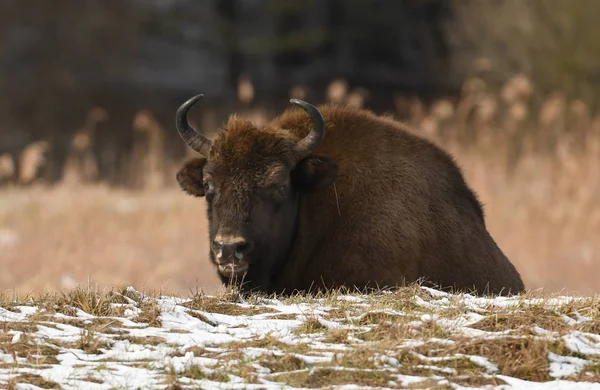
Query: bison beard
point(294, 208)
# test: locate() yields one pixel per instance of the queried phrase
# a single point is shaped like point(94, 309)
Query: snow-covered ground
point(414, 338)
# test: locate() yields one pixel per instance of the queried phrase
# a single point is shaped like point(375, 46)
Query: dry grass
point(196, 372)
point(32, 379)
point(534, 166)
point(284, 363)
point(334, 377)
point(217, 304)
point(31, 350)
point(267, 342)
point(336, 336)
point(521, 358)
point(310, 325)
point(381, 336)
point(90, 301)
point(57, 238)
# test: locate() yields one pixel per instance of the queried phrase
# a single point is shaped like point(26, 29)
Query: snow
point(565, 365)
point(551, 385)
point(201, 340)
point(587, 344)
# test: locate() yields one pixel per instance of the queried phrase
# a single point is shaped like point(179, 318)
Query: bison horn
point(314, 138)
point(195, 140)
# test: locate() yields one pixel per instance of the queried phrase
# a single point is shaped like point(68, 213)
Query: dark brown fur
point(373, 206)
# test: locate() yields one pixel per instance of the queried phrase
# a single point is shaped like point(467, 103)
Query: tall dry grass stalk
point(7, 168)
point(32, 161)
point(535, 168)
point(149, 152)
point(81, 166)
point(57, 237)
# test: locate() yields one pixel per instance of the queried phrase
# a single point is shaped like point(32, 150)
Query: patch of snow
point(445, 370)
point(435, 293)
point(542, 332)
point(350, 298)
point(565, 365)
point(6, 358)
point(584, 343)
point(557, 384)
point(483, 363)
point(568, 320)
point(198, 339)
point(8, 315)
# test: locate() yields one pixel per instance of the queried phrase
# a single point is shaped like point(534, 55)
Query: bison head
point(252, 178)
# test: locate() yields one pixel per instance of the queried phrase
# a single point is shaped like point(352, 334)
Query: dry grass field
point(55, 237)
point(535, 166)
point(413, 338)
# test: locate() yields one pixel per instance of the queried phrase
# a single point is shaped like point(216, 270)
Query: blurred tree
point(59, 59)
point(52, 54)
point(228, 23)
point(554, 42)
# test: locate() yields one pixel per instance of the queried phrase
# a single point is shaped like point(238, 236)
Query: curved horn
point(195, 140)
point(306, 145)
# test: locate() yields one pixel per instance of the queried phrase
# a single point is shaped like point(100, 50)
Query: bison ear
point(189, 177)
point(314, 173)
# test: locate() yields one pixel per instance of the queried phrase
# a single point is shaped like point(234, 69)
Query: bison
point(338, 197)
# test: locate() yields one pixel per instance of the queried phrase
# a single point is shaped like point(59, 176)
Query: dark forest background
point(72, 64)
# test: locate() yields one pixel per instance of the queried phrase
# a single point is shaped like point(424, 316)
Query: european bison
point(357, 202)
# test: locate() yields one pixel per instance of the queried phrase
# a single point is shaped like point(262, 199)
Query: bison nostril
point(238, 247)
point(242, 249)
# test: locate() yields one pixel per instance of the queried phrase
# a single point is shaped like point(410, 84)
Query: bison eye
point(277, 193)
point(283, 190)
point(208, 186)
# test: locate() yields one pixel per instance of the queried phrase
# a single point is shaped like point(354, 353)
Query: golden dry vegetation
point(413, 337)
point(534, 163)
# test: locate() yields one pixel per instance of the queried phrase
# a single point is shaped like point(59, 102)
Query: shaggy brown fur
point(374, 205)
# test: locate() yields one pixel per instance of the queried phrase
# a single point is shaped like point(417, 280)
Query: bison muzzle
point(330, 197)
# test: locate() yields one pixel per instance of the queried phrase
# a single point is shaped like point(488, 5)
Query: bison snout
point(233, 269)
point(228, 249)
